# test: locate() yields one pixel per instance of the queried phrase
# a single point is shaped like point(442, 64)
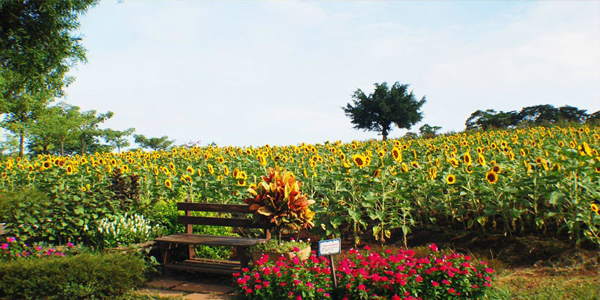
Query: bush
point(33, 216)
point(84, 276)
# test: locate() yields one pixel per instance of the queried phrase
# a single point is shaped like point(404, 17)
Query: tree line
point(38, 46)
point(538, 115)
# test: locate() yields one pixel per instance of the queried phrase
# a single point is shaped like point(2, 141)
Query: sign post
point(329, 248)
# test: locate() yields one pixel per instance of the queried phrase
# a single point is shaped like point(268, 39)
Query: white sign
point(329, 247)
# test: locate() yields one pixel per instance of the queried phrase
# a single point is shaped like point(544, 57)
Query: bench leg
point(165, 255)
point(243, 256)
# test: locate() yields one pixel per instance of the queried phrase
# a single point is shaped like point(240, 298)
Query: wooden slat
point(224, 267)
point(211, 240)
point(213, 221)
point(224, 208)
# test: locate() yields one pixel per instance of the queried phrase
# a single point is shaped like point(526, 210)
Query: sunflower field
point(521, 181)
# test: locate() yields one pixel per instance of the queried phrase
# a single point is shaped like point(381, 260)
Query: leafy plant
point(278, 199)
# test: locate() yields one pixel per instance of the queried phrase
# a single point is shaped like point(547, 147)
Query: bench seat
point(209, 240)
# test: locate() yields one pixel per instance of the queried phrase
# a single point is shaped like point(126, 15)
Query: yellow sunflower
point(376, 173)
point(595, 208)
point(451, 179)
point(211, 170)
point(190, 170)
point(467, 158)
point(359, 160)
point(491, 177)
point(397, 154)
point(168, 183)
point(496, 169)
point(69, 170)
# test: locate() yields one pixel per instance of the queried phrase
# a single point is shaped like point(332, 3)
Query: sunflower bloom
point(376, 173)
point(359, 160)
point(397, 154)
point(496, 169)
point(595, 208)
point(451, 179)
point(168, 184)
point(491, 177)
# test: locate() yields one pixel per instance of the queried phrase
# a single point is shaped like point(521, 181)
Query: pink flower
point(11, 239)
point(433, 247)
point(4, 246)
point(248, 291)
point(296, 249)
point(70, 245)
point(434, 283)
point(361, 287)
point(367, 248)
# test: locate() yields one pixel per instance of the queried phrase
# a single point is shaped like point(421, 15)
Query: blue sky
point(258, 72)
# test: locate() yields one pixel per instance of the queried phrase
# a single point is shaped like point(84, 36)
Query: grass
point(529, 284)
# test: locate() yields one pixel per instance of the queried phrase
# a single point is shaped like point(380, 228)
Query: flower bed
point(368, 275)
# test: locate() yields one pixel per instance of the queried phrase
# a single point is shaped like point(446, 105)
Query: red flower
point(433, 283)
point(433, 247)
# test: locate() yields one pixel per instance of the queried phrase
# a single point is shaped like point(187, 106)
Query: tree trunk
point(62, 148)
point(384, 133)
point(82, 144)
point(21, 142)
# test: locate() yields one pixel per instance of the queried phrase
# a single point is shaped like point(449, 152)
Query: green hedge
point(84, 276)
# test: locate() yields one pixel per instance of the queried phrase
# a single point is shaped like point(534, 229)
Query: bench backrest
point(190, 220)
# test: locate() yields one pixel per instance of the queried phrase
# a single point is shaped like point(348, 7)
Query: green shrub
point(58, 217)
point(84, 276)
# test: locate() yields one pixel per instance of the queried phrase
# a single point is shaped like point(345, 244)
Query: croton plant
point(277, 198)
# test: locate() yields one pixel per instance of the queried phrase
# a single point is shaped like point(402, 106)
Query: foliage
point(278, 199)
point(123, 230)
point(273, 245)
point(154, 143)
point(532, 115)
point(428, 131)
point(385, 107)
point(83, 276)
point(59, 216)
point(369, 275)
point(37, 48)
point(117, 138)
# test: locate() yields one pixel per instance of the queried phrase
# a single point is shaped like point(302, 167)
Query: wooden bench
point(186, 241)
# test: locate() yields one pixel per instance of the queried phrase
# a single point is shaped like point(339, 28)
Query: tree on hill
point(428, 131)
point(491, 119)
point(37, 49)
point(117, 138)
point(384, 108)
point(161, 143)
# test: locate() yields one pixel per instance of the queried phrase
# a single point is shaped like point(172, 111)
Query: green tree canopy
point(37, 48)
point(161, 143)
point(537, 115)
point(385, 107)
point(117, 138)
